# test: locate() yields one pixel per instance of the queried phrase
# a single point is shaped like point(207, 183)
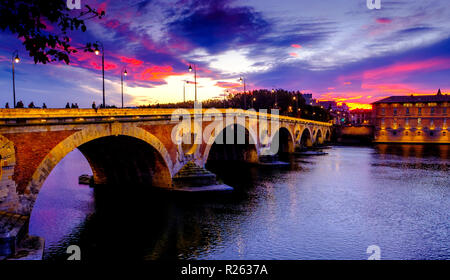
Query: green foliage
point(28, 19)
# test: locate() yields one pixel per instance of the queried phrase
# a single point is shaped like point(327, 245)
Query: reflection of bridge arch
point(146, 156)
point(235, 151)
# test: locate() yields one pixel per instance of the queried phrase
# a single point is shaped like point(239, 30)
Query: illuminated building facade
point(412, 119)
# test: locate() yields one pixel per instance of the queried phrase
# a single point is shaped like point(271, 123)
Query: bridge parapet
point(41, 116)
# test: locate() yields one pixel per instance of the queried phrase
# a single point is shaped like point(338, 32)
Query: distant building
point(412, 119)
point(309, 100)
point(340, 113)
point(361, 117)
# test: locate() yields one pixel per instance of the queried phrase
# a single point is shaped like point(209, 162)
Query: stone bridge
point(139, 146)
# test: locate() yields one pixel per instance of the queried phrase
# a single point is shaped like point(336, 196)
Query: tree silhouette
point(29, 20)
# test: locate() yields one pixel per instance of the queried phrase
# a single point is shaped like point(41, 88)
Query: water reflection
point(325, 207)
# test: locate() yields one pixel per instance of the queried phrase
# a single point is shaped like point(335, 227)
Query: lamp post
point(242, 80)
point(253, 100)
point(195, 79)
point(276, 101)
point(97, 52)
point(184, 91)
point(122, 74)
point(15, 59)
point(224, 98)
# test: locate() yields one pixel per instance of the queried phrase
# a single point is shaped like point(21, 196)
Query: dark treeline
point(290, 103)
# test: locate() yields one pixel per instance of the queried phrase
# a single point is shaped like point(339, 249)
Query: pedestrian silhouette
point(7, 105)
point(93, 105)
point(31, 105)
point(44, 106)
point(19, 104)
point(67, 105)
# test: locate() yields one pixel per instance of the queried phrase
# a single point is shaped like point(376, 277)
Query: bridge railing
point(42, 116)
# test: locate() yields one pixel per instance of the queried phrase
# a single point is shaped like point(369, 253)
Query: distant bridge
point(134, 145)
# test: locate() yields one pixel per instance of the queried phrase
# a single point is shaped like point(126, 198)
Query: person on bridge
point(19, 104)
point(67, 105)
point(7, 105)
point(93, 105)
point(31, 105)
point(44, 106)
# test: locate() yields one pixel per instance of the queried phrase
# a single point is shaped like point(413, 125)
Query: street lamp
point(242, 80)
point(195, 79)
point(224, 97)
point(97, 52)
point(122, 74)
point(253, 100)
point(15, 59)
point(276, 101)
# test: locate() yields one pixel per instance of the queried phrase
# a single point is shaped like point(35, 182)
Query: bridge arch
point(286, 140)
point(247, 152)
point(306, 139)
point(319, 137)
point(88, 140)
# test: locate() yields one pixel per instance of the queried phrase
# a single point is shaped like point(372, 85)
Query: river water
point(321, 207)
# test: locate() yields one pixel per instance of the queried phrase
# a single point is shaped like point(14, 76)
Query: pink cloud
point(293, 54)
point(130, 60)
point(228, 85)
point(112, 23)
point(156, 73)
point(383, 20)
point(297, 46)
point(397, 70)
point(408, 67)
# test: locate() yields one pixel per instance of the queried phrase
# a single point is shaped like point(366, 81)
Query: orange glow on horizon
point(353, 106)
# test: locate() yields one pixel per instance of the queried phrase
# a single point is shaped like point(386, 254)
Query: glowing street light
point(242, 80)
point(122, 74)
point(276, 101)
point(15, 59)
point(195, 79)
point(97, 52)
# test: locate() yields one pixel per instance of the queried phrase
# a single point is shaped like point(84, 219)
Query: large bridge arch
point(249, 151)
point(285, 138)
point(89, 135)
point(306, 138)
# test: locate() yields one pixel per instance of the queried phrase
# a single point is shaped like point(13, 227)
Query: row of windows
point(418, 133)
point(419, 122)
point(430, 104)
point(419, 111)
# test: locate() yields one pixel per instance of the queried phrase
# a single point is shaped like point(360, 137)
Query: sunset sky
point(336, 50)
